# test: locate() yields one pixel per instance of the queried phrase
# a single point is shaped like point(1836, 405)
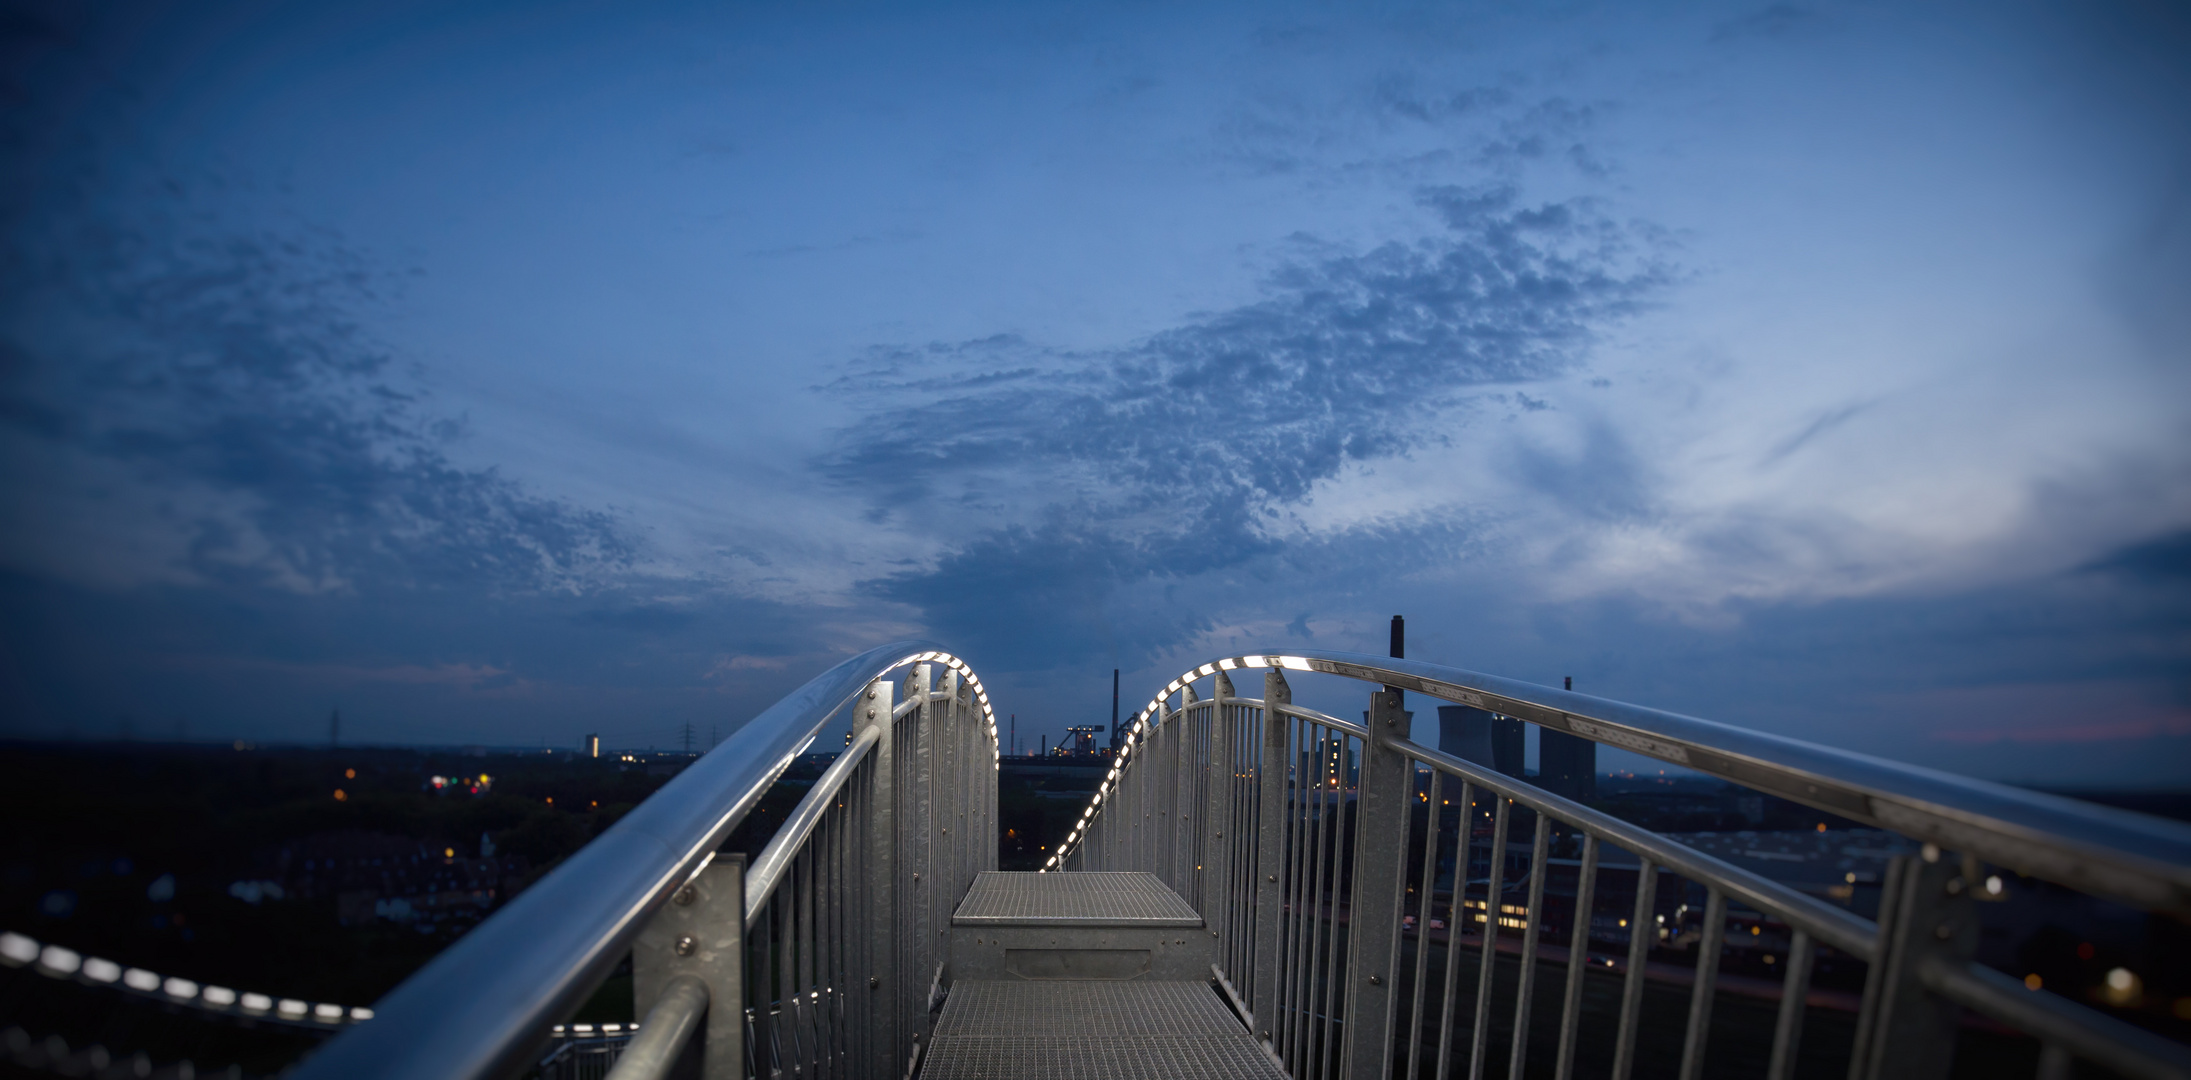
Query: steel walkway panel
point(1075, 1030)
point(1076, 899)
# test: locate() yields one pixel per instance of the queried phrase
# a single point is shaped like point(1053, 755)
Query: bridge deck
point(1081, 899)
point(1145, 1021)
point(1068, 1030)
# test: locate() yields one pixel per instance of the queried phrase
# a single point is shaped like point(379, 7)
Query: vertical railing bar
point(1639, 953)
point(824, 942)
point(1197, 797)
point(1331, 823)
point(880, 890)
point(1429, 889)
point(840, 934)
point(1313, 910)
point(844, 931)
point(1270, 856)
point(803, 972)
point(828, 909)
point(1251, 830)
point(1578, 957)
point(1707, 982)
point(1532, 910)
point(825, 955)
point(796, 962)
point(1455, 911)
point(1240, 926)
point(1304, 915)
point(1167, 796)
point(1206, 788)
point(1247, 800)
point(810, 950)
point(765, 1001)
point(1794, 989)
point(1487, 968)
point(1332, 986)
point(854, 927)
point(1890, 900)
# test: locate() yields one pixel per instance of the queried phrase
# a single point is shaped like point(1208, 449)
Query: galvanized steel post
point(1217, 863)
point(702, 932)
point(1182, 796)
point(1911, 1032)
point(883, 992)
point(1270, 856)
point(1380, 872)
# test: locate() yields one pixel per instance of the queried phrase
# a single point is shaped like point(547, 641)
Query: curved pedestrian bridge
point(1259, 889)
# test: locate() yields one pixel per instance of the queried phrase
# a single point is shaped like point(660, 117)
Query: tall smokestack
point(1399, 644)
point(1116, 738)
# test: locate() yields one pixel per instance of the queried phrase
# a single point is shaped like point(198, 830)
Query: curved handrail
point(485, 1003)
point(2142, 860)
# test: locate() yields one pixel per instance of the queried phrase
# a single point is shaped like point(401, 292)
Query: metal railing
point(1318, 848)
point(825, 958)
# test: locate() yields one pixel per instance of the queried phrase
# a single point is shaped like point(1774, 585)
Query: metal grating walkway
point(1092, 1030)
point(1080, 899)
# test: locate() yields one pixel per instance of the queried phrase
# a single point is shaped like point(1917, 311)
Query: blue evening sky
point(502, 373)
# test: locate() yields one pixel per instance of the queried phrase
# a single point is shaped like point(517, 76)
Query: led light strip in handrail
point(1140, 726)
point(973, 681)
point(60, 962)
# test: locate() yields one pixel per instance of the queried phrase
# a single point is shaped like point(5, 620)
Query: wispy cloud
point(1827, 421)
point(1168, 456)
point(228, 380)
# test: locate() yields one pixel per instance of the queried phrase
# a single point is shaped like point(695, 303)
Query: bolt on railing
point(824, 957)
point(1315, 848)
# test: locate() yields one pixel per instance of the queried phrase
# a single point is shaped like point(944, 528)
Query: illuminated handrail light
point(1155, 708)
point(18, 950)
point(973, 682)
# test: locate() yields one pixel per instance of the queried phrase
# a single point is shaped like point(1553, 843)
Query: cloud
point(2165, 559)
point(1171, 456)
point(1827, 421)
point(222, 386)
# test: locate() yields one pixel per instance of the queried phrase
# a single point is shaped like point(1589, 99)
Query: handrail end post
point(701, 932)
point(1911, 1029)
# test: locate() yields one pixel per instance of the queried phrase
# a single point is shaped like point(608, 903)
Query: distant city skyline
point(499, 375)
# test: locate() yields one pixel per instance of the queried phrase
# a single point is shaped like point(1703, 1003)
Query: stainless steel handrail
point(1833, 925)
point(482, 1007)
point(671, 1024)
point(1311, 836)
point(2125, 1048)
point(2140, 860)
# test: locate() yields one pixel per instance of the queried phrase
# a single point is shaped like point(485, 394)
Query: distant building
point(1567, 765)
point(1332, 764)
point(591, 747)
point(1484, 737)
